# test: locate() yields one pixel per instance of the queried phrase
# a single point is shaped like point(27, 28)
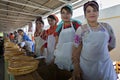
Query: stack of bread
point(11, 46)
point(20, 65)
point(9, 54)
point(11, 50)
point(6, 39)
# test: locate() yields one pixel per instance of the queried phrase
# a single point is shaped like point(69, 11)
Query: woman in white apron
point(39, 39)
point(94, 41)
point(66, 31)
point(64, 38)
point(50, 33)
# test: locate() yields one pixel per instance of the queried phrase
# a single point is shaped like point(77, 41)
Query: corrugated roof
point(17, 13)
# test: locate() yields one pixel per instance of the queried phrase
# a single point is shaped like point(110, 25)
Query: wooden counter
point(31, 76)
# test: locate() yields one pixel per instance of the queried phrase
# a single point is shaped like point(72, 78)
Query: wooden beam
point(80, 3)
point(20, 12)
point(75, 5)
point(31, 6)
point(64, 1)
point(15, 20)
point(38, 5)
point(16, 8)
point(17, 17)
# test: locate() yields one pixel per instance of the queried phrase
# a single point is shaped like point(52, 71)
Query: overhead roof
point(17, 13)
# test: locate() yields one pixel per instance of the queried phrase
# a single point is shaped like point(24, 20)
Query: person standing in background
point(15, 37)
point(64, 34)
point(50, 34)
point(11, 36)
point(64, 37)
point(40, 38)
point(92, 43)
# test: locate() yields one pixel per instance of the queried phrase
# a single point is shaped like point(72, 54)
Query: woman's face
point(91, 14)
point(65, 15)
point(20, 33)
point(51, 22)
point(39, 25)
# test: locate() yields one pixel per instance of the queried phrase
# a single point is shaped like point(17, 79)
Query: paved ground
point(1, 68)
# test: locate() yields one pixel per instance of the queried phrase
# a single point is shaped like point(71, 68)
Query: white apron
point(38, 44)
point(63, 50)
point(95, 60)
point(29, 45)
point(50, 48)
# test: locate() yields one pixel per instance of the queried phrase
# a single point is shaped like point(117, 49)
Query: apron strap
point(89, 27)
point(70, 24)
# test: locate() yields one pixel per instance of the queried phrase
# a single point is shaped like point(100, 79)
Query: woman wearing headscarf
point(40, 39)
point(64, 37)
point(92, 43)
point(50, 34)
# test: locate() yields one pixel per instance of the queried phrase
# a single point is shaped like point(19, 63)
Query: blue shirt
point(26, 38)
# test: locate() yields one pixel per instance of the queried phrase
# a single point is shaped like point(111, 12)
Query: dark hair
point(39, 19)
point(93, 4)
point(11, 33)
point(51, 16)
point(15, 31)
point(20, 30)
point(68, 8)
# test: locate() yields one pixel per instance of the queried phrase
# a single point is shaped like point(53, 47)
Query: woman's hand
point(42, 49)
point(77, 73)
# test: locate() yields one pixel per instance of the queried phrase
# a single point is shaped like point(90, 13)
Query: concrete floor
point(1, 68)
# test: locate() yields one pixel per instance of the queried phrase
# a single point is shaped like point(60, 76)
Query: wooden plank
point(31, 76)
